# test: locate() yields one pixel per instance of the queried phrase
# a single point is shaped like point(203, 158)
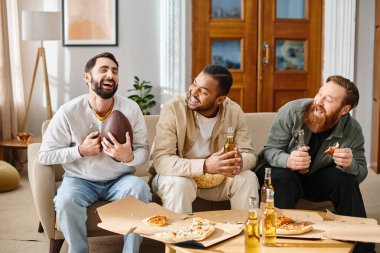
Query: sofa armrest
point(42, 183)
point(32, 155)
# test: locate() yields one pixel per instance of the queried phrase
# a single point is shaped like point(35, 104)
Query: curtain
point(12, 106)
point(339, 38)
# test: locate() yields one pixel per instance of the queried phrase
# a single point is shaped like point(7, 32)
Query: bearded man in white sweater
point(91, 170)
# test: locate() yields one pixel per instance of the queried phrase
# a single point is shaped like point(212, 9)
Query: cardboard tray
point(313, 217)
point(126, 215)
point(348, 228)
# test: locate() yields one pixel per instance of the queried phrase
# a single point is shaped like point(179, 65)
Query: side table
point(15, 144)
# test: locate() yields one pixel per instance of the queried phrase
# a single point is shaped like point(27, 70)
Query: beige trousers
point(178, 193)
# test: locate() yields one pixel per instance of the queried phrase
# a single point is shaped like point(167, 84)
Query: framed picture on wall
point(89, 22)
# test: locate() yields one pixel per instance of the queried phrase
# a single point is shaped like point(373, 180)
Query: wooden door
point(279, 56)
point(225, 33)
point(291, 51)
point(375, 154)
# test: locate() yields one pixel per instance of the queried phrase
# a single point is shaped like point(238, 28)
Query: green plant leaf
point(151, 104)
point(148, 97)
point(142, 96)
point(148, 86)
point(133, 96)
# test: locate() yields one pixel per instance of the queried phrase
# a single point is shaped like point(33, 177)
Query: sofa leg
point(56, 245)
point(40, 228)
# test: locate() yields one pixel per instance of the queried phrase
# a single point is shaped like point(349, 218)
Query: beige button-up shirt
point(176, 132)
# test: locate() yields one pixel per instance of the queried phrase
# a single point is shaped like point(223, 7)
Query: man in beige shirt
point(188, 149)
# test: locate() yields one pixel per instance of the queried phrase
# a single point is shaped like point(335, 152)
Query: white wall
point(365, 29)
point(138, 53)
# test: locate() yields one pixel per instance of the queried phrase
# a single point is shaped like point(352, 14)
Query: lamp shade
point(41, 25)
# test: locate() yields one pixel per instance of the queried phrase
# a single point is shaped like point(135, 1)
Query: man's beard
point(202, 107)
point(97, 87)
point(320, 124)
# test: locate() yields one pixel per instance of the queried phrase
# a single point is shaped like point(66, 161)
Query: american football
point(117, 124)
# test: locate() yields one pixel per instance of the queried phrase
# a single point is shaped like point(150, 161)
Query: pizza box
point(222, 232)
point(337, 227)
point(349, 228)
point(300, 215)
point(314, 218)
point(125, 216)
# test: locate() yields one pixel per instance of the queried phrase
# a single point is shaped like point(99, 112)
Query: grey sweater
point(69, 127)
point(282, 140)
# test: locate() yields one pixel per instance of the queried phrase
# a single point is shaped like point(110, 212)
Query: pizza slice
point(331, 149)
point(286, 225)
point(283, 219)
point(156, 220)
point(296, 228)
point(202, 228)
point(199, 230)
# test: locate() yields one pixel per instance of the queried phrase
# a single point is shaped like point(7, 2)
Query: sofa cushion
point(151, 122)
point(259, 124)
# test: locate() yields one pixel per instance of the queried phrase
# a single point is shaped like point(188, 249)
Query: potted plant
point(142, 96)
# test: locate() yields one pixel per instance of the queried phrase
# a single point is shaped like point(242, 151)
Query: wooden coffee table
point(283, 245)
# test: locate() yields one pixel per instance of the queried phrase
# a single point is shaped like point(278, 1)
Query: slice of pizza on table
point(199, 230)
point(286, 225)
point(157, 220)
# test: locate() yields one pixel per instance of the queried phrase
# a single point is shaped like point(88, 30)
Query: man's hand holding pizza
point(343, 157)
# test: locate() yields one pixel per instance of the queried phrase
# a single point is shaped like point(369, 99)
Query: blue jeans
point(75, 195)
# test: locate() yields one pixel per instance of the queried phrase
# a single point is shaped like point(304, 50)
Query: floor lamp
point(40, 25)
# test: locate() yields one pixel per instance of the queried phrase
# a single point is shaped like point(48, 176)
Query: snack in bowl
point(331, 149)
point(156, 220)
point(199, 230)
point(208, 180)
point(286, 225)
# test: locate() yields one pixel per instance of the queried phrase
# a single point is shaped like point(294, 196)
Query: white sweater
point(69, 127)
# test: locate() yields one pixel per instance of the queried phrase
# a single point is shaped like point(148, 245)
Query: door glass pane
point(226, 53)
point(290, 54)
point(290, 9)
point(226, 8)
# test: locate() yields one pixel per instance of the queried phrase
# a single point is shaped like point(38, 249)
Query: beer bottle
point(269, 220)
point(230, 145)
point(267, 184)
point(252, 228)
point(301, 143)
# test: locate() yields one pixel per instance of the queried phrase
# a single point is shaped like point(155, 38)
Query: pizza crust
point(301, 230)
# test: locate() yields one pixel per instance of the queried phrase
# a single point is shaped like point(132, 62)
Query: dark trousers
point(329, 183)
